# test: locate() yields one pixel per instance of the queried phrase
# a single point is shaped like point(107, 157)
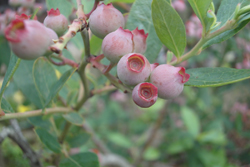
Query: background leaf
point(44, 77)
point(140, 16)
point(64, 6)
point(58, 86)
point(12, 67)
point(79, 139)
point(24, 81)
point(74, 118)
point(6, 107)
point(211, 77)
point(86, 159)
point(225, 13)
point(169, 26)
point(5, 51)
point(191, 121)
point(48, 140)
point(200, 8)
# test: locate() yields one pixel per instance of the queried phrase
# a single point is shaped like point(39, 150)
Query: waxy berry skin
point(52, 35)
point(116, 44)
point(145, 94)
point(133, 69)
point(56, 21)
point(105, 19)
point(139, 38)
point(24, 40)
point(169, 80)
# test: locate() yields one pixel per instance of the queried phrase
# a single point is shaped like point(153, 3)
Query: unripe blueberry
point(56, 21)
point(105, 19)
point(169, 80)
point(116, 44)
point(133, 68)
point(52, 35)
point(28, 39)
point(140, 39)
point(145, 94)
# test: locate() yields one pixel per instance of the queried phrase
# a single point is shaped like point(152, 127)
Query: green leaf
point(120, 140)
point(58, 86)
point(96, 45)
point(74, 118)
point(151, 154)
point(212, 136)
point(78, 140)
point(40, 122)
point(213, 77)
point(24, 80)
point(4, 50)
point(12, 67)
point(140, 16)
point(200, 8)
point(169, 26)
point(64, 6)
point(48, 140)
point(225, 13)
point(212, 158)
point(44, 77)
point(191, 121)
point(180, 145)
point(6, 107)
point(86, 159)
point(227, 8)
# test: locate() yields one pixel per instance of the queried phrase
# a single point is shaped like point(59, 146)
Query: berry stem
point(115, 81)
point(94, 7)
point(198, 48)
point(64, 61)
point(103, 90)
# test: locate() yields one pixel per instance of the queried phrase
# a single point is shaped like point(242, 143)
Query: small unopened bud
point(145, 94)
point(133, 68)
point(56, 21)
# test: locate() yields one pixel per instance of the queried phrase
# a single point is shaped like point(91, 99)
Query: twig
point(56, 110)
point(103, 90)
point(198, 47)
point(5, 133)
point(94, 7)
point(78, 25)
point(115, 81)
point(16, 135)
point(99, 144)
point(152, 134)
point(63, 61)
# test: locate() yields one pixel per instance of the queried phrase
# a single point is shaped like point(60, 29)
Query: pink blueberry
point(145, 94)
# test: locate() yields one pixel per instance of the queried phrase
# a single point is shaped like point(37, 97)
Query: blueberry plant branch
point(152, 134)
point(198, 47)
point(78, 25)
point(115, 81)
point(56, 110)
